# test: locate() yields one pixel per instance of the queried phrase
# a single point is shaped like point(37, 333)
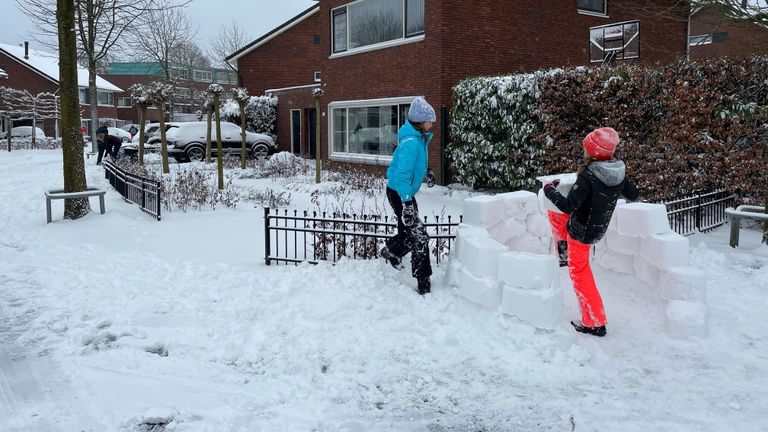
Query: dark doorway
point(312, 130)
point(296, 131)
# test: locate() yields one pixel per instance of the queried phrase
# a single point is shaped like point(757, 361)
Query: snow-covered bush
point(284, 164)
point(26, 143)
point(492, 125)
point(260, 114)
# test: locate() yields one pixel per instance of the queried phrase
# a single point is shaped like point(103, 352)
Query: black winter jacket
point(592, 199)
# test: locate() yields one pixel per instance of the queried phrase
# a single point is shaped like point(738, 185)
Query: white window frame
point(318, 76)
point(201, 79)
point(603, 14)
point(109, 96)
point(356, 157)
point(176, 72)
point(123, 99)
point(186, 90)
point(405, 39)
point(704, 39)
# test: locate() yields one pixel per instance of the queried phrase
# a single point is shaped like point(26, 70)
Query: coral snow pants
point(590, 302)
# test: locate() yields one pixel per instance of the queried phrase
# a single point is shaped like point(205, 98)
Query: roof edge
point(274, 33)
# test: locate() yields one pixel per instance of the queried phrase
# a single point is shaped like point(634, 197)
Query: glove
point(409, 214)
point(551, 185)
point(431, 179)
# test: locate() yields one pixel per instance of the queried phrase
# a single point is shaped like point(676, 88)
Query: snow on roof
point(47, 64)
point(3, 74)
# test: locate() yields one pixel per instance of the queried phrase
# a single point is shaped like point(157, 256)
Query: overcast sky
point(256, 17)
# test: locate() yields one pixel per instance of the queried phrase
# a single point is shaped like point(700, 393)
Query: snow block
point(481, 257)
point(642, 219)
point(623, 243)
point(466, 232)
point(683, 283)
point(507, 230)
point(541, 309)
point(452, 274)
point(686, 319)
point(483, 291)
point(646, 271)
point(530, 243)
point(665, 250)
point(615, 261)
point(520, 204)
point(528, 271)
point(484, 210)
point(538, 225)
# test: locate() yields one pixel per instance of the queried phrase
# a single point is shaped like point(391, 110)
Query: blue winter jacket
point(409, 163)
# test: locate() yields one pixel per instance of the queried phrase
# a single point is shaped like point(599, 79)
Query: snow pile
point(501, 259)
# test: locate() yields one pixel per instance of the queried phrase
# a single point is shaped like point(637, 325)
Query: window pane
point(415, 16)
point(375, 21)
point(339, 130)
point(592, 5)
point(340, 30)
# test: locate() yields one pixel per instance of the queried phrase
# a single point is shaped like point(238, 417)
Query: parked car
point(26, 131)
point(123, 135)
point(186, 142)
point(127, 127)
point(152, 140)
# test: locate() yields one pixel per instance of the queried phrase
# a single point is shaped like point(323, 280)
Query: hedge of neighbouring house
point(260, 114)
point(685, 126)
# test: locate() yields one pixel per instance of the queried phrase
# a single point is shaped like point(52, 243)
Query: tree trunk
point(208, 137)
point(71, 145)
point(8, 125)
point(318, 162)
point(242, 132)
point(94, 102)
point(142, 120)
point(219, 152)
point(765, 224)
point(163, 142)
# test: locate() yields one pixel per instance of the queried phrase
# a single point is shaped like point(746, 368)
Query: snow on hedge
point(492, 122)
point(260, 114)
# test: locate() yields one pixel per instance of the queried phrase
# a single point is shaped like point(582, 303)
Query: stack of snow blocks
point(502, 260)
point(639, 242)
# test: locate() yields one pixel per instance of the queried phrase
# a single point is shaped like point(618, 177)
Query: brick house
point(192, 81)
point(375, 56)
point(714, 35)
point(38, 72)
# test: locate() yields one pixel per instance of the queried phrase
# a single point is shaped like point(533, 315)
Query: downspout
point(688, 35)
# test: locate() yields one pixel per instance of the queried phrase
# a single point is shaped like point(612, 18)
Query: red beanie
point(601, 143)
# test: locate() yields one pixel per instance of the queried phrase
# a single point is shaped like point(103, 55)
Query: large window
point(179, 73)
point(84, 95)
point(366, 131)
point(204, 76)
point(105, 98)
point(370, 22)
point(593, 6)
point(124, 102)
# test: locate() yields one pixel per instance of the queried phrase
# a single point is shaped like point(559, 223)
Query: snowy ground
point(116, 320)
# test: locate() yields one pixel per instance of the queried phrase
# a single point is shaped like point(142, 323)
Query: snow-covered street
point(116, 322)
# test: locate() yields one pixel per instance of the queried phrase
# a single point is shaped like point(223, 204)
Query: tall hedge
point(260, 114)
point(685, 126)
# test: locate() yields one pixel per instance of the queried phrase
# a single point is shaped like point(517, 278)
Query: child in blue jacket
point(404, 177)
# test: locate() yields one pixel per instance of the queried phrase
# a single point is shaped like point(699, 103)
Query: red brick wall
point(742, 40)
point(290, 59)
point(301, 99)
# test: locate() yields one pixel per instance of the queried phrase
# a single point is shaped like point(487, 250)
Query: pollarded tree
point(160, 94)
point(215, 91)
point(140, 98)
point(240, 95)
point(23, 105)
point(208, 107)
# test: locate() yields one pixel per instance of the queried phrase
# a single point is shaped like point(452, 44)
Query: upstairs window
point(105, 98)
point(124, 102)
point(370, 22)
point(179, 73)
point(593, 6)
point(203, 76)
point(700, 40)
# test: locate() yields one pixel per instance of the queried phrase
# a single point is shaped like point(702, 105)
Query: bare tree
point(71, 144)
point(160, 94)
point(100, 26)
point(189, 53)
point(164, 30)
point(227, 41)
point(140, 96)
point(23, 105)
point(215, 91)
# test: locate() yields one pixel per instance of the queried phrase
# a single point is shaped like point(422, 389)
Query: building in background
point(372, 57)
point(714, 35)
point(38, 72)
point(191, 83)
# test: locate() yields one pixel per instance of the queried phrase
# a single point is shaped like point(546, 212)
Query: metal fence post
point(267, 241)
point(698, 210)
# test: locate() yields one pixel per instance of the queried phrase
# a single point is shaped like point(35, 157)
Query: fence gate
point(293, 237)
point(698, 212)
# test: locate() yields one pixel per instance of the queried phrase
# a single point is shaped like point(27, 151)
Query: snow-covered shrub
point(191, 188)
point(260, 114)
point(284, 164)
point(355, 178)
point(268, 198)
point(492, 125)
point(26, 143)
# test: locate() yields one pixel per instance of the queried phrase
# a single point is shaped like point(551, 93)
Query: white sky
point(256, 17)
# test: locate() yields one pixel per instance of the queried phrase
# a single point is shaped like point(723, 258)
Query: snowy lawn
point(118, 322)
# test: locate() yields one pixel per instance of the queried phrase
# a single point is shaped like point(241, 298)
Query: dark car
point(152, 139)
point(187, 141)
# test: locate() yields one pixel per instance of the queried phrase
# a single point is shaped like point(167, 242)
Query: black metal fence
point(293, 237)
point(135, 189)
point(699, 211)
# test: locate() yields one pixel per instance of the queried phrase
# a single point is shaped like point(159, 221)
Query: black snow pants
point(413, 239)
